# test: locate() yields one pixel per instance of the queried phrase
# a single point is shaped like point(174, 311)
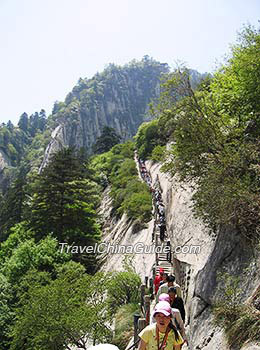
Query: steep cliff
point(118, 97)
point(196, 271)
point(4, 164)
point(225, 251)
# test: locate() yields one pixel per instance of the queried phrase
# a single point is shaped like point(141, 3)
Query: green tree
point(65, 313)
point(64, 203)
point(10, 125)
point(24, 122)
point(147, 138)
point(215, 132)
point(41, 256)
point(123, 288)
point(11, 210)
point(106, 140)
point(6, 313)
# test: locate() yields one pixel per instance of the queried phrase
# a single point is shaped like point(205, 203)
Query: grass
point(124, 325)
point(241, 322)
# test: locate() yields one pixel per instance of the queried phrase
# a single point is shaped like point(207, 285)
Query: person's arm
point(142, 345)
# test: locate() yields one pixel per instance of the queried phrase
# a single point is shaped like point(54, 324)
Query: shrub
point(147, 138)
point(123, 288)
point(138, 206)
point(124, 325)
point(241, 322)
point(158, 153)
point(129, 194)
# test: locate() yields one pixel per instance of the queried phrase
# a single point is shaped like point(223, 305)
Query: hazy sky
point(47, 45)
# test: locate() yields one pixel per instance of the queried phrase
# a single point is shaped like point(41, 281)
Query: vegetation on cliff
point(53, 298)
point(47, 298)
point(214, 131)
point(116, 98)
point(241, 322)
point(15, 140)
point(129, 194)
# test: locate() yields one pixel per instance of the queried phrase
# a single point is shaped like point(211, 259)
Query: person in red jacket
point(157, 280)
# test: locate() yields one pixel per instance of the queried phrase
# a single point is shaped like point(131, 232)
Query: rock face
point(118, 98)
point(4, 164)
point(122, 233)
point(196, 271)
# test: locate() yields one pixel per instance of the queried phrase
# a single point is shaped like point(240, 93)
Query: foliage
point(43, 255)
point(137, 205)
point(62, 313)
point(158, 153)
point(129, 194)
point(64, 201)
point(147, 138)
point(123, 288)
point(13, 143)
point(241, 322)
point(6, 314)
point(124, 325)
point(71, 309)
point(11, 210)
point(106, 140)
point(19, 234)
point(215, 135)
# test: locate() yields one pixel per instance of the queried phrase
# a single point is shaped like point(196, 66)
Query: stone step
point(162, 255)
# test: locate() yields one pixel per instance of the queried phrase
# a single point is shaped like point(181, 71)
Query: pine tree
point(12, 205)
point(106, 141)
point(24, 122)
point(64, 201)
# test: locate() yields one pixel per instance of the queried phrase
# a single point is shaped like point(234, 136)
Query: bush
point(69, 310)
point(147, 138)
point(124, 325)
point(138, 206)
point(158, 153)
point(129, 194)
point(241, 322)
point(123, 288)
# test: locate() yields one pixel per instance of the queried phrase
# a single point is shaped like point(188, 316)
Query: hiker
point(161, 209)
point(162, 334)
point(176, 301)
point(162, 228)
point(164, 278)
point(164, 287)
point(157, 280)
point(176, 317)
point(162, 220)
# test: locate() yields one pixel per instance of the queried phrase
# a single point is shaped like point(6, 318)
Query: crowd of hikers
point(166, 330)
point(157, 199)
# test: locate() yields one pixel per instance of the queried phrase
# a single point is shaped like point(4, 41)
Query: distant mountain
point(118, 97)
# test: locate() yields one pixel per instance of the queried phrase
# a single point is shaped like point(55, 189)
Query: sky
point(47, 45)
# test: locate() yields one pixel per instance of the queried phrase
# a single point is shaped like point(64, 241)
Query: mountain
point(118, 97)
